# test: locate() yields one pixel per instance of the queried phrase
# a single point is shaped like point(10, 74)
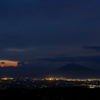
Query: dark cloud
point(97, 48)
point(2, 62)
point(95, 59)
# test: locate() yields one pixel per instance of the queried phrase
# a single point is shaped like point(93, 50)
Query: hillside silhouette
point(73, 70)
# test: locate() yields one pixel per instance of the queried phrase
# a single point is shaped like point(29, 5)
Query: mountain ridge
point(73, 70)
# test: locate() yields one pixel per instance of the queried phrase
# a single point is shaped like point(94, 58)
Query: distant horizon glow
point(8, 63)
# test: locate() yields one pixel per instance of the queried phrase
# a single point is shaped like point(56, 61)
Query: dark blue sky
point(34, 29)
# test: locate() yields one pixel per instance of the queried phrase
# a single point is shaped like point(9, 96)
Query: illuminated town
point(47, 82)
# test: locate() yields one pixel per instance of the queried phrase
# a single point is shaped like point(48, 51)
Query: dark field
point(76, 93)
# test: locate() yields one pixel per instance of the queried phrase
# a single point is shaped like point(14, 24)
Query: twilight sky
point(50, 30)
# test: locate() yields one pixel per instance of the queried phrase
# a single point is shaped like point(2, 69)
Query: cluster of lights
point(54, 79)
point(6, 78)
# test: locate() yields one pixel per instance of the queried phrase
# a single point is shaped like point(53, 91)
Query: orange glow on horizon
point(8, 63)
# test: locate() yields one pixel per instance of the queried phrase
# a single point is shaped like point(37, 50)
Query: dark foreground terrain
point(76, 93)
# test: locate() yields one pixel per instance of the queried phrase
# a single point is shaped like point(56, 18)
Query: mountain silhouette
point(74, 70)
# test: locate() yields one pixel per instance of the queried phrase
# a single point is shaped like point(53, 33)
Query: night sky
point(50, 31)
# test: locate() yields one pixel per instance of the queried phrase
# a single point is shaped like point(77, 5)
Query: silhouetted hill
point(75, 71)
point(69, 70)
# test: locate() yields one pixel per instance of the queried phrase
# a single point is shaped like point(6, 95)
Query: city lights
point(38, 82)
